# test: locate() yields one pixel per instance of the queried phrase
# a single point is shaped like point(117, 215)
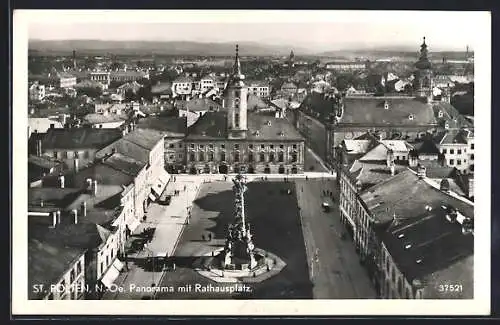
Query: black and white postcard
point(251, 162)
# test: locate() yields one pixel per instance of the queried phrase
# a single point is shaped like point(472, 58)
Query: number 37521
point(450, 288)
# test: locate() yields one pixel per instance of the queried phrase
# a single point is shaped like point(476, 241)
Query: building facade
point(36, 92)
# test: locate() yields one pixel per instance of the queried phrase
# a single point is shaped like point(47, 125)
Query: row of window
point(459, 151)
point(236, 146)
point(76, 154)
point(74, 273)
point(251, 158)
point(459, 161)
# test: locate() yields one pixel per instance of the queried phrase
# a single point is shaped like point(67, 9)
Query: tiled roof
point(84, 235)
point(162, 88)
point(169, 126)
point(401, 111)
point(53, 198)
point(426, 147)
point(95, 118)
point(386, 196)
point(451, 115)
point(182, 79)
point(212, 125)
point(47, 263)
point(134, 85)
point(451, 136)
point(79, 138)
point(371, 173)
point(42, 162)
point(396, 145)
point(435, 169)
point(125, 164)
point(42, 124)
point(127, 73)
point(199, 104)
point(145, 138)
point(104, 174)
point(435, 241)
point(357, 146)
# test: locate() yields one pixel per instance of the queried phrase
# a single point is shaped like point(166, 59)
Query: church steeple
point(237, 75)
point(423, 60)
point(235, 101)
point(423, 81)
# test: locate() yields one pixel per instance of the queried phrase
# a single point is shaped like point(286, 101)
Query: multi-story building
point(55, 272)
point(419, 242)
point(206, 83)
point(182, 86)
point(345, 66)
point(36, 91)
point(128, 75)
point(174, 129)
point(457, 146)
point(145, 146)
point(234, 140)
point(104, 120)
point(66, 80)
point(86, 218)
point(260, 89)
point(76, 147)
point(102, 77)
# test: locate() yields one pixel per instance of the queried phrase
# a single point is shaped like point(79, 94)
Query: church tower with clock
point(235, 102)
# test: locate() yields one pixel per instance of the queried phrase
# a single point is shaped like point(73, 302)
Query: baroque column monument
point(239, 249)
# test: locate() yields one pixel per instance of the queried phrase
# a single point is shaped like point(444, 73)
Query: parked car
point(326, 207)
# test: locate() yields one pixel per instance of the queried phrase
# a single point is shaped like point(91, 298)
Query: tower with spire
point(235, 102)
point(423, 80)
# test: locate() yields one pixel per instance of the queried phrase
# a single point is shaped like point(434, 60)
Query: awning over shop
point(164, 177)
point(132, 224)
point(152, 197)
point(110, 276)
point(157, 189)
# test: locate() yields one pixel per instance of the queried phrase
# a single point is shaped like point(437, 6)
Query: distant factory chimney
point(74, 60)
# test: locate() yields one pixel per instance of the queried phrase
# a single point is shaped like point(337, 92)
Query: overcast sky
point(443, 31)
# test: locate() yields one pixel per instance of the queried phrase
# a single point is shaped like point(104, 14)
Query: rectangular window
point(171, 145)
point(236, 146)
point(201, 146)
point(294, 146)
point(444, 151)
point(452, 162)
point(65, 154)
point(223, 156)
point(250, 157)
point(281, 146)
point(79, 267)
point(262, 157)
point(472, 157)
point(459, 162)
point(180, 156)
point(236, 157)
point(280, 157)
point(271, 146)
point(452, 151)
point(472, 146)
point(72, 276)
point(192, 145)
point(250, 146)
point(202, 156)
point(55, 154)
point(76, 154)
point(236, 118)
point(262, 146)
point(271, 157)
point(294, 157)
point(191, 157)
point(459, 151)
point(107, 260)
point(397, 157)
point(223, 146)
point(102, 267)
point(211, 146)
point(210, 156)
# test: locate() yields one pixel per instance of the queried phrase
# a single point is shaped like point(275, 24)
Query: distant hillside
point(393, 52)
point(43, 47)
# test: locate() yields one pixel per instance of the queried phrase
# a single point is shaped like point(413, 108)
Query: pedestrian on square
point(203, 237)
point(184, 188)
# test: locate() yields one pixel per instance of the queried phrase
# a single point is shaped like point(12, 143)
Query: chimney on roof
point(61, 181)
point(83, 209)
point(52, 125)
point(94, 188)
point(75, 215)
point(421, 172)
point(76, 164)
point(386, 105)
point(54, 219)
